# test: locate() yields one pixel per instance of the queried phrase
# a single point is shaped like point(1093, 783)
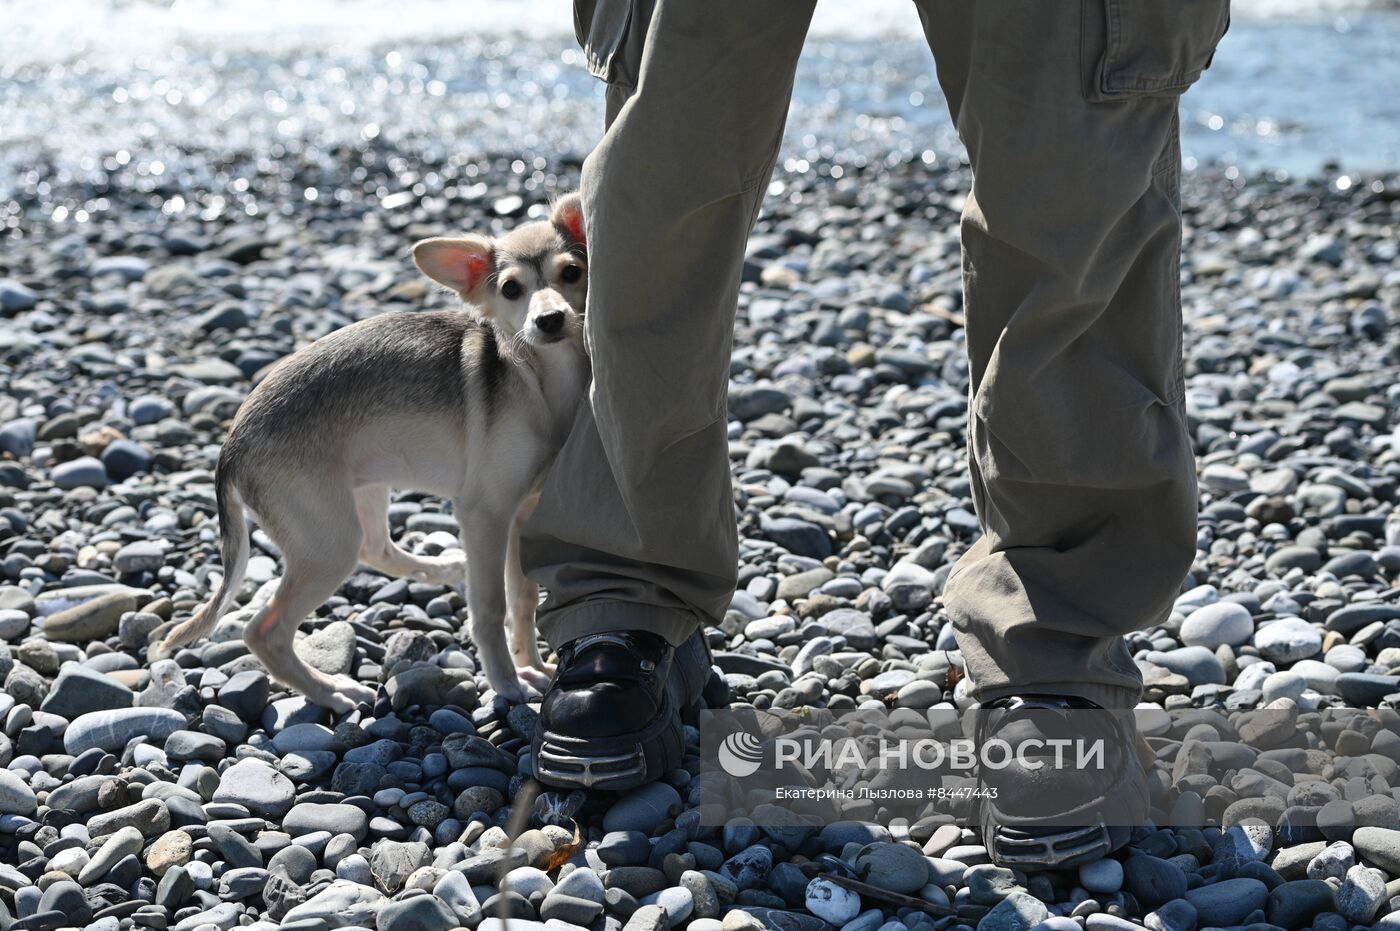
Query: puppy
point(472, 407)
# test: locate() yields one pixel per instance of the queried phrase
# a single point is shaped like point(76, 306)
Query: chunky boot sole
point(626, 761)
point(611, 763)
point(1030, 844)
point(1052, 848)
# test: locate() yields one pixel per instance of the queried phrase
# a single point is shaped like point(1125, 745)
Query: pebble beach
point(147, 281)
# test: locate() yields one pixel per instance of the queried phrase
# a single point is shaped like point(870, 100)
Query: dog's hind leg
point(486, 533)
point(320, 552)
point(380, 552)
point(522, 599)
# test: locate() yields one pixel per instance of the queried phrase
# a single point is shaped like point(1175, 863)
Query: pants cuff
point(572, 621)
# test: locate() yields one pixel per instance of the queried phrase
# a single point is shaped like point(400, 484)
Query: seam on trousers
point(1170, 156)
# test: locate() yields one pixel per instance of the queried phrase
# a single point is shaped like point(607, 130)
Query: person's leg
point(1081, 461)
point(635, 528)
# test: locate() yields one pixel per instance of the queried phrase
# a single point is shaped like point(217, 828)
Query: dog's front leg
point(486, 537)
point(523, 598)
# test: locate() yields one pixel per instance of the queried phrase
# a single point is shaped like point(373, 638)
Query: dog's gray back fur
point(397, 365)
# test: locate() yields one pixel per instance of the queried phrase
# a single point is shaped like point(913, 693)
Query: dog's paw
point(344, 697)
point(514, 691)
point(335, 702)
point(537, 679)
point(355, 691)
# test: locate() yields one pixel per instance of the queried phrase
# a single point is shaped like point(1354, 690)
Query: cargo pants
point(1081, 464)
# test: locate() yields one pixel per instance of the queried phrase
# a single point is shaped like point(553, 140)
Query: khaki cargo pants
point(1082, 470)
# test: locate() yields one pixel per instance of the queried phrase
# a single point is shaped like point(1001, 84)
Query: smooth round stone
point(308, 766)
point(831, 903)
point(643, 809)
point(186, 746)
point(1366, 690)
point(16, 797)
point(1198, 664)
point(95, 618)
point(1332, 862)
point(893, 867)
point(1346, 658)
point(417, 913)
point(1337, 820)
point(1251, 677)
point(891, 681)
point(311, 817)
point(1104, 875)
point(1361, 893)
point(527, 880)
point(66, 897)
point(201, 873)
point(1227, 903)
point(624, 848)
point(747, 868)
point(1294, 904)
point(1176, 915)
point(354, 868)
point(1288, 640)
point(1058, 923)
point(1154, 881)
point(172, 848)
point(149, 409)
point(1224, 478)
point(1320, 677)
point(256, 786)
point(1289, 557)
point(339, 904)
point(677, 901)
point(1224, 623)
point(124, 843)
point(919, 695)
point(16, 297)
point(1017, 912)
point(767, 628)
point(1286, 684)
point(304, 737)
point(1380, 847)
point(330, 649)
point(582, 883)
point(570, 909)
point(1251, 840)
point(112, 730)
point(84, 472)
point(988, 884)
point(455, 890)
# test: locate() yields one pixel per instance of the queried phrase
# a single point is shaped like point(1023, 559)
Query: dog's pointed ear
point(461, 264)
point(568, 217)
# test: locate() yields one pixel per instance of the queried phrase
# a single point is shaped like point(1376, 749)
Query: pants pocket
point(610, 32)
point(1149, 48)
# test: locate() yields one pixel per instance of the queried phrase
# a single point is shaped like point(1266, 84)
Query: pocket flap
point(601, 27)
point(1158, 47)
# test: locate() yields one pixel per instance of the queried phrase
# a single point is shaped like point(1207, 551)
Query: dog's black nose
point(550, 322)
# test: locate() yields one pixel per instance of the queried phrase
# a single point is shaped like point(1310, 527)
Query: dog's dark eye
point(510, 290)
point(571, 273)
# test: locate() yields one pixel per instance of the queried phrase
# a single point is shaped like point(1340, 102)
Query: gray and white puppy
point(472, 407)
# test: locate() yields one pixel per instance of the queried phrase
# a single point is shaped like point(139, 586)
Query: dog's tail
point(233, 542)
